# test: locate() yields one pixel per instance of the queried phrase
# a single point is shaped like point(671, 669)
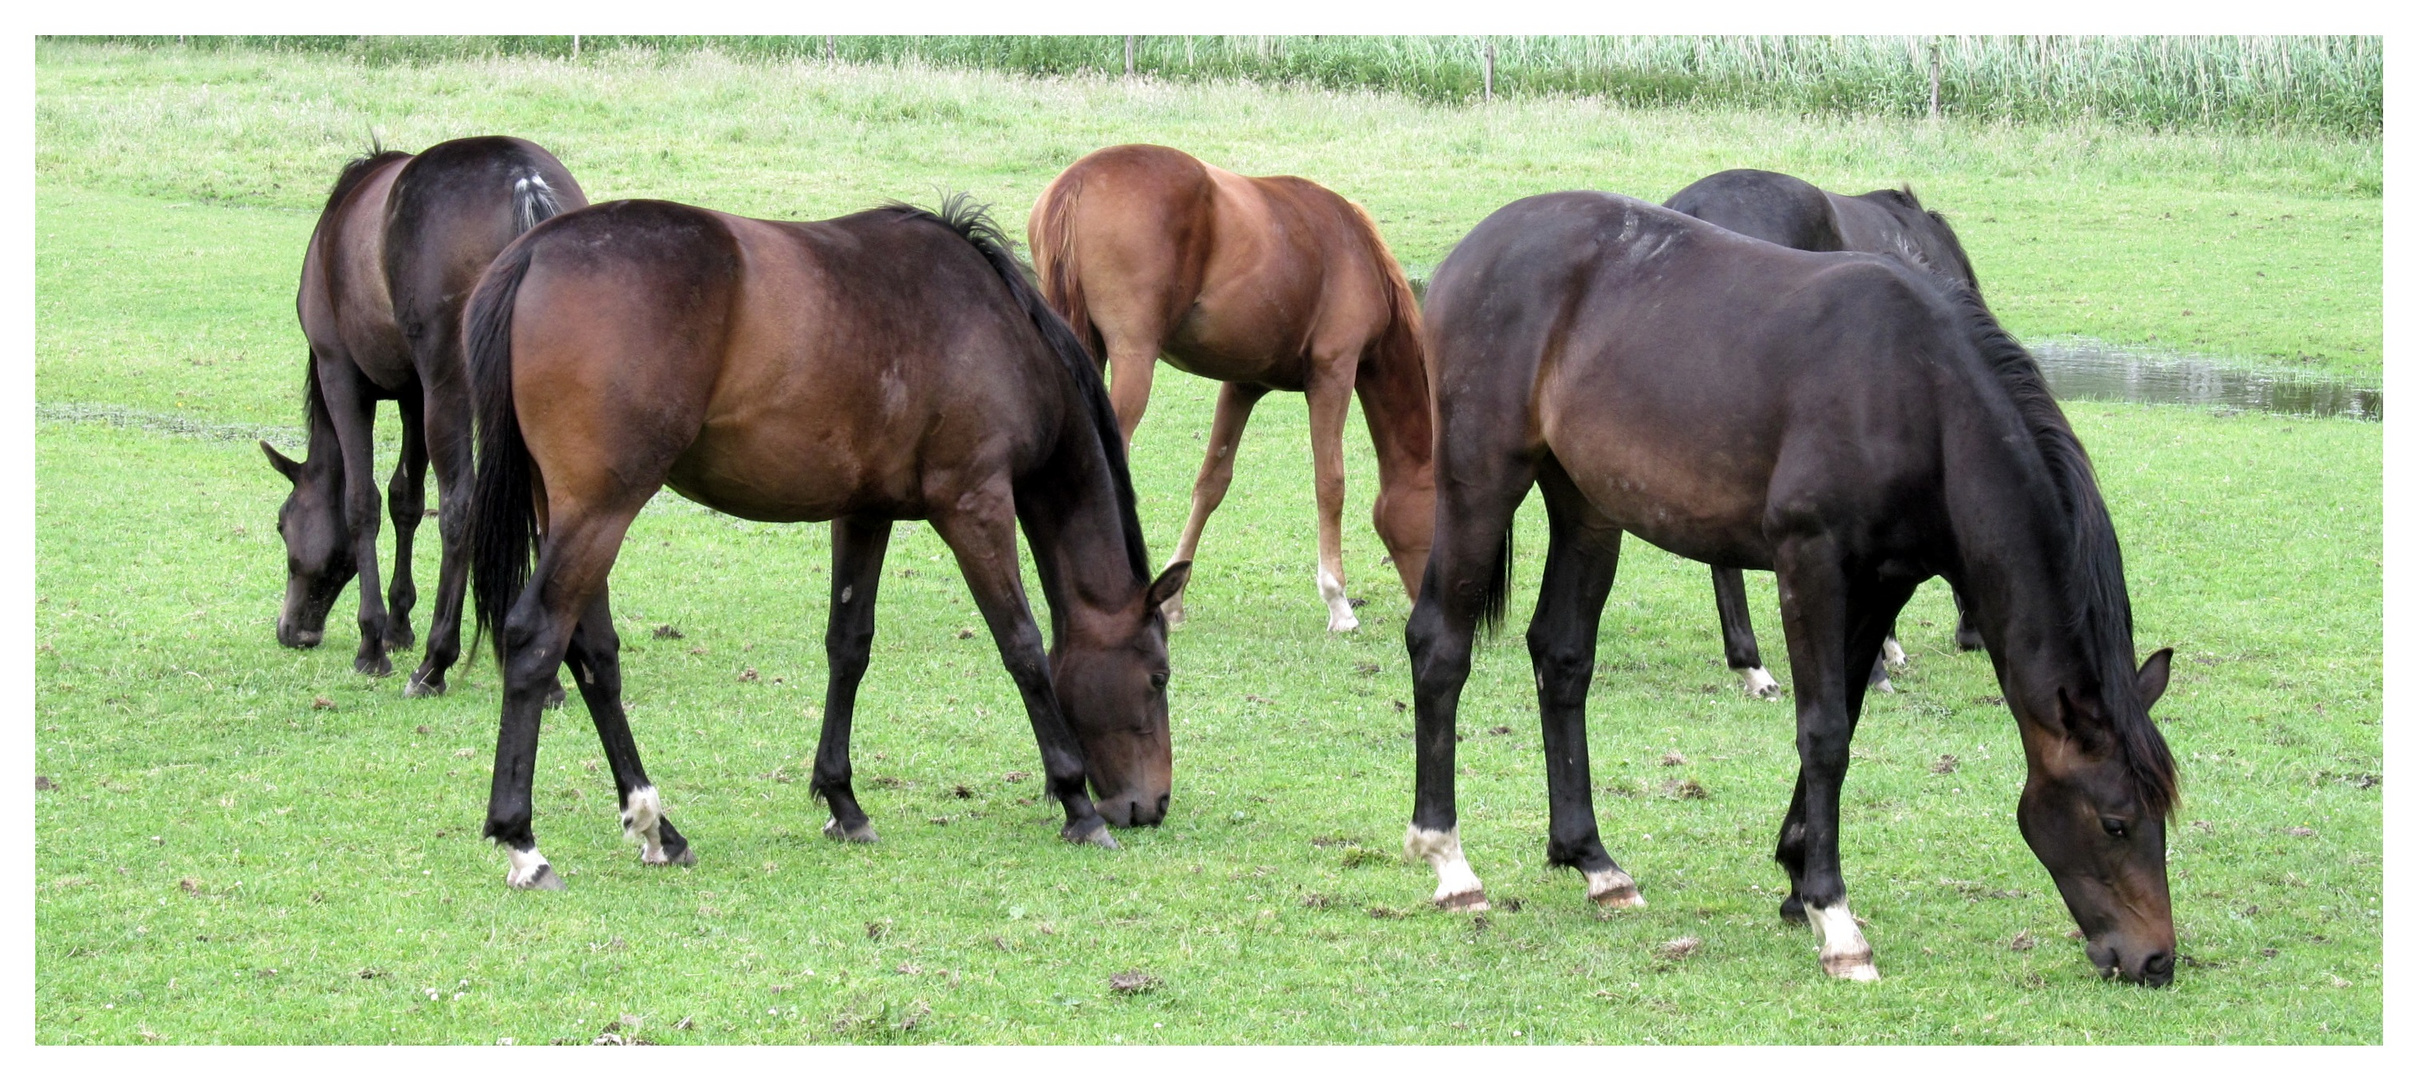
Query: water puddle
point(2080, 369)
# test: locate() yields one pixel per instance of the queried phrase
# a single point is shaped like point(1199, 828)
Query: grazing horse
point(1793, 213)
point(894, 364)
point(1854, 424)
point(399, 246)
point(1262, 283)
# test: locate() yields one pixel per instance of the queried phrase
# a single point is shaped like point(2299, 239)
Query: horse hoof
point(376, 666)
point(1855, 966)
point(1474, 900)
point(1613, 889)
point(1881, 686)
point(684, 857)
point(421, 686)
point(1892, 654)
point(400, 641)
point(859, 833)
point(1097, 836)
point(555, 697)
point(543, 879)
point(1968, 640)
point(1759, 683)
point(1343, 623)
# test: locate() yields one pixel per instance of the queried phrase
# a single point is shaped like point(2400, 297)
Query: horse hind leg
point(594, 657)
point(1329, 399)
point(1235, 401)
point(406, 498)
point(1738, 634)
point(858, 545)
point(1581, 559)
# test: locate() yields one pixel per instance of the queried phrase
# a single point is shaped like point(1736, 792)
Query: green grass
point(2229, 83)
point(224, 859)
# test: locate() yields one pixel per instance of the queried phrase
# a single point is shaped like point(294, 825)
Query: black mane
point(2095, 578)
point(960, 214)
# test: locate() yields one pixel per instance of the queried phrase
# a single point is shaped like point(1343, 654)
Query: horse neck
point(2015, 568)
point(1393, 387)
point(1072, 519)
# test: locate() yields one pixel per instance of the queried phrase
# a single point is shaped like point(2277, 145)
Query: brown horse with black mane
point(401, 242)
point(1263, 283)
point(889, 365)
point(1851, 422)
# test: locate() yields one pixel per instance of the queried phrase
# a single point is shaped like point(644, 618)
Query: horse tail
point(503, 506)
point(1053, 238)
point(1499, 587)
point(533, 201)
point(960, 214)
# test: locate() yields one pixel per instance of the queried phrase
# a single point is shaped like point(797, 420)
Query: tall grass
point(2334, 84)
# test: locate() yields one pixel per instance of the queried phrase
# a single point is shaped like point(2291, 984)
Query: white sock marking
point(1443, 852)
point(526, 866)
point(1759, 683)
point(642, 820)
point(1340, 618)
point(1604, 885)
point(1891, 654)
point(1845, 952)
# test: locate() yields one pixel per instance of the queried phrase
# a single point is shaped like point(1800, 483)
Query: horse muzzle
point(1133, 809)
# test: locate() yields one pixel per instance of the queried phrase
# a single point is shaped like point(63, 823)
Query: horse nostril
point(2158, 968)
point(1163, 806)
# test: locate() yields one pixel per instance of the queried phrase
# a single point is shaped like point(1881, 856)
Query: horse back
point(1773, 207)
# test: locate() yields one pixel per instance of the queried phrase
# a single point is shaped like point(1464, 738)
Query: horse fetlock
point(425, 683)
point(530, 870)
point(1612, 888)
point(1892, 653)
point(373, 663)
point(1759, 683)
point(1340, 619)
point(1457, 887)
point(642, 816)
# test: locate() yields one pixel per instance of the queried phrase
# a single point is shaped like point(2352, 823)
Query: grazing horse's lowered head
point(319, 548)
point(1924, 235)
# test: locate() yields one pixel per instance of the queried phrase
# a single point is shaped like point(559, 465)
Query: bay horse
point(1785, 210)
point(401, 241)
point(893, 364)
point(1262, 283)
point(1849, 421)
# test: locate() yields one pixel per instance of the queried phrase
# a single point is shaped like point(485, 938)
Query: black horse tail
point(960, 214)
point(533, 201)
point(1499, 587)
point(503, 508)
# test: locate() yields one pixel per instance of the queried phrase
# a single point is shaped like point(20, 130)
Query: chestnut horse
point(1785, 210)
point(1851, 422)
point(1263, 283)
point(401, 242)
point(894, 364)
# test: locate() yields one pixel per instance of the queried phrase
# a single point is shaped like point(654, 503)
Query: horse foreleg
point(1580, 562)
point(350, 409)
point(594, 657)
point(1969, 636)
point(1235, 401)
point(406, 497)
point(858, 545)
point(1329, 399)
point(574, 557)
point(1738, 633)
point(980, 528)
point(1474, 520)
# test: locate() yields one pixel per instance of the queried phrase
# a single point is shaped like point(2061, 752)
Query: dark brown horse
point(1790, 212)
point(401, 242)
point(1851, 422)
point(1262, 283)
point(889, 365)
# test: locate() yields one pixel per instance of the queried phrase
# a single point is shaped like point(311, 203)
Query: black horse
point(1854, 424)
point(401, 242)
point(1793, 213)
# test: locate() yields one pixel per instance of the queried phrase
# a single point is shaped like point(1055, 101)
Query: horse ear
point(1171, 581)
point(2151, 682)
point(286, 466)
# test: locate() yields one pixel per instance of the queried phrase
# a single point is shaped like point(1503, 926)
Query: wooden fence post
point(1129, 56)
point(1490, 69)
point(831, 55)
point(575, 46)
point(1935, 110)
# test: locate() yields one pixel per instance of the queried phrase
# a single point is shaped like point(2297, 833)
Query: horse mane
point(971, 221)
point(355, 171)
point(1910, 210)
point(2095, 580)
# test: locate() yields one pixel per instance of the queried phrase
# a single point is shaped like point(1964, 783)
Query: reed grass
point(2334, 84)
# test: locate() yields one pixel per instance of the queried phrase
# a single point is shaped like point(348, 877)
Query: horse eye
point(2113, 827)
point(1159, 680)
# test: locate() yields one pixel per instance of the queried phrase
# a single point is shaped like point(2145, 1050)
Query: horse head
point(1111, 676)
point(319, 549)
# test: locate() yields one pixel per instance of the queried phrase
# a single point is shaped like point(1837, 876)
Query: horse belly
point(1707, 507)
point(782, 472)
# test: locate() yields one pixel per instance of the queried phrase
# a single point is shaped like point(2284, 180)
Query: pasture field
point(241, 843)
